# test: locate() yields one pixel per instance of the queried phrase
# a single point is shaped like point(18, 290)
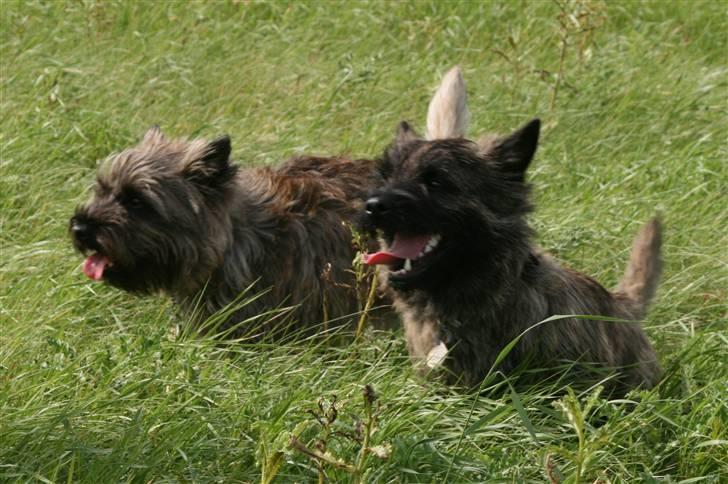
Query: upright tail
point(639, 282)
point(448, 115)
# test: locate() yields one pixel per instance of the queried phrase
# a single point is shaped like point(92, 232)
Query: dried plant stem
point(365, 444)
point(319, 456)
point(367, 307)
point(560, 75)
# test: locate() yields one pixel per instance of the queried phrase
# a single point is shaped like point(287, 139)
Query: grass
point(93, 385)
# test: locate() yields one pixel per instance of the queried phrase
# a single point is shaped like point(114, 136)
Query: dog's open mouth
point(405, 253)
point(95, 265)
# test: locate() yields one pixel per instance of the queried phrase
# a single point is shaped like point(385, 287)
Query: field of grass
point(94, 386)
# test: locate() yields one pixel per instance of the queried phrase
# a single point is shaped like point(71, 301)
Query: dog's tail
point(447, 115)
point(639, 282)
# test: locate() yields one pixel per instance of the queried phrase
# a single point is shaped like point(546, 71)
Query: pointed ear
point(515, 152)
point(213, 167)
point(448, 116)
point(405, 133)
point(153, 135)
point(218, 152)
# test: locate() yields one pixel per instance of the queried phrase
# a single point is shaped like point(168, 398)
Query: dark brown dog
point(458, 259)
point(177, 217)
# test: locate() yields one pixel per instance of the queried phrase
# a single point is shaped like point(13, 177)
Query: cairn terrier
point(458, 259)
point(177, 217)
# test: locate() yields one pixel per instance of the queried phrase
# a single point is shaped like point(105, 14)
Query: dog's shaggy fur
point(177, 217)
point(465, 277)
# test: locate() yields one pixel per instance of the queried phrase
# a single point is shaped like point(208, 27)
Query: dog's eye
point(133, 202)
point(431, 180)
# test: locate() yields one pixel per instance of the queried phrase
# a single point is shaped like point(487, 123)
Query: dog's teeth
point(432, 243)
point(407, 265)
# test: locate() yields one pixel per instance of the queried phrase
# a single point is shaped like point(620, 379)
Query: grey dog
point(178, 217)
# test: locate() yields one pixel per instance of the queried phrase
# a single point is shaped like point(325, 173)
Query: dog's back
point(331, 182)
point(619, 344)
point(293, 239)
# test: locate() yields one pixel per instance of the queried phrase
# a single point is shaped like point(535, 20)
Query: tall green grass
point(95, 387)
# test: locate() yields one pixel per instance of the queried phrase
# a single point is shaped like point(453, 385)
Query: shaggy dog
point(176, 216)
point(458, 259)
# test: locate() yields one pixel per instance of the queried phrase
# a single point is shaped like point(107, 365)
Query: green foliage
point(94, 386)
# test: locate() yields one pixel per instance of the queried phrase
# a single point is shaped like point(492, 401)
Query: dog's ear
point(405, 133)
point(213, 167)
point(447, 115)
point(218, 151)
point(515, 152)
point(397, 149)
point(153, 135)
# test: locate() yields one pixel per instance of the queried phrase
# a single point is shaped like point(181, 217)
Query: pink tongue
point(403, 247)
point(94, 266)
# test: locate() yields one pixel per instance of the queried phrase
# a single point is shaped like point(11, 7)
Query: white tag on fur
point(436, 356)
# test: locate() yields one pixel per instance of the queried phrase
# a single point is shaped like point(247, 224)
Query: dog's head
point(155, 213)
point(449, 205)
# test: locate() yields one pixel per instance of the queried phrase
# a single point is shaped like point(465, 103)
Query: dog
point(176, 216)
point(458, 259)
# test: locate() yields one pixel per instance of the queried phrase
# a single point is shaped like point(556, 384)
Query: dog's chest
point(428, 335)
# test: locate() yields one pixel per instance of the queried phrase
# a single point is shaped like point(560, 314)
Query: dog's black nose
point(80, 230)
point(374, 206)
